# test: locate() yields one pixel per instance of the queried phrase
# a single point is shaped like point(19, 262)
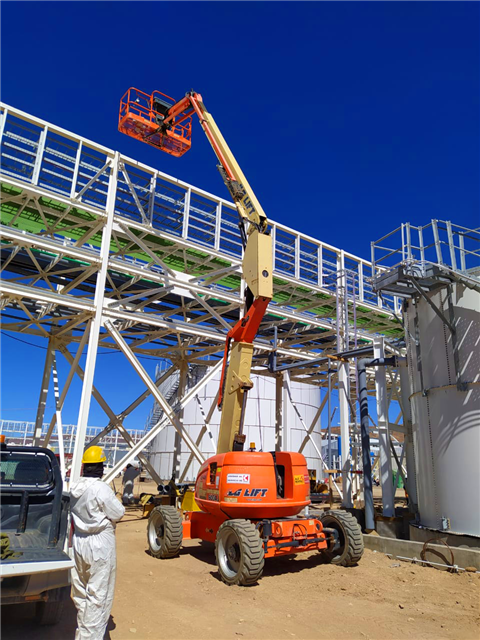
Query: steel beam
point(68, 381)
point(309, 435)
point(153, 389)
point(286, 440)
point(141, 444)
point(177, 447)
point(409, 442)
point(386, 477)
point(110, 413)
point(47, 371)
point(278, 411)
point(205, 429)
point(95, 325)
point(58, 413)
point(314, 422)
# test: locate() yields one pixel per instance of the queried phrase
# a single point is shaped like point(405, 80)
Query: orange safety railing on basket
point(141, 117)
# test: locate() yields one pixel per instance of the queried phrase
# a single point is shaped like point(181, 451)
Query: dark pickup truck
point(34, 565)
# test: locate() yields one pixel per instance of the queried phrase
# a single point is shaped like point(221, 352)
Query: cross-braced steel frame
point(100, 250)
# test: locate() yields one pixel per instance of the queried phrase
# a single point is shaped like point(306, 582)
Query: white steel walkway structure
point(100, 250)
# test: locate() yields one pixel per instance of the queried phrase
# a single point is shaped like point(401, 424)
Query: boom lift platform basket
point(142, 117)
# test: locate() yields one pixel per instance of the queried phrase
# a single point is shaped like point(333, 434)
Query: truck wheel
point(164, 532)
point(239, 552)
point(350, 538)
point(51, 611)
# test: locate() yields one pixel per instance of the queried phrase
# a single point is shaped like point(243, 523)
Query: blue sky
point(347, 118)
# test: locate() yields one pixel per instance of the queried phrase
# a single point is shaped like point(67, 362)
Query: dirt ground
point(297, 597)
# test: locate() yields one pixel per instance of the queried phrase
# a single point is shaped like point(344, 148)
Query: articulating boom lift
point(249, 500)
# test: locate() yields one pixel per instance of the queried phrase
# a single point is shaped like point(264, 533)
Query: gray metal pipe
point(362, 365)
point(329, 427)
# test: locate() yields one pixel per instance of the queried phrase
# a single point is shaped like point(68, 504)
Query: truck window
point(23, 469)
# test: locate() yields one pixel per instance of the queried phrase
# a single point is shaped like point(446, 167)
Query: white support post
point(438, 245)
point(421, 245)
point(115, 448)
point(285, 421)
point(345, 433)
point(70, 444)
point(177, 447)
point(386, 477)
point(409, 444)
point(451, 244)
point(408, 240)
point(273, 233)
point(320, 265)
point(343, 382)
point(186, 213)
point(58, 413)
point(278, 411)
point(361, 292)
point(218, 226)
point(151, 201)
point(39, 155)
point(95, 326)
point(297, 257)
point(76, 169)
point(47, 369)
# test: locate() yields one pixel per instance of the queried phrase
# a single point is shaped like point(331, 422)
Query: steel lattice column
point(96, 324)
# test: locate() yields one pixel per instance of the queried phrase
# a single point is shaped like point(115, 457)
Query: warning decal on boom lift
point(238, 478)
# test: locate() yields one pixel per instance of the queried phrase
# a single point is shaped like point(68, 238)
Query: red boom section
point(244, 331)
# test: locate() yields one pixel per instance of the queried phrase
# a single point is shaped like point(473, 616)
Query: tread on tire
point(351, 538)
point(50, 612)
point(248, 566)
point(164, 532)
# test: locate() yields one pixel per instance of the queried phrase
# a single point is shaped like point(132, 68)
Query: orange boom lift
point(250, 501)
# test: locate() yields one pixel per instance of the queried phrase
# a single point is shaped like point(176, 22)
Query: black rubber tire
point(249, 551)
point(351, 538)
point(51, 611)
point(164, 532)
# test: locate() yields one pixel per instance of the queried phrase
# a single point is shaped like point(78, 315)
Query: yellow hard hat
point(93, 455)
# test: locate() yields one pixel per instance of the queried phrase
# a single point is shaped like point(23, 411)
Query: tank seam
point(433, 461)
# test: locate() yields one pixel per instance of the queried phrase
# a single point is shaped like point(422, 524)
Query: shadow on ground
point(285, 564)
point(18, 621)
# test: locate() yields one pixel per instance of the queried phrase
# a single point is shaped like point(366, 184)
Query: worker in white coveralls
point(131, 472)
point(95, 511)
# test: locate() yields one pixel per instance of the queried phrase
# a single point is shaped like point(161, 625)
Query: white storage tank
point(446, 420)
point(259, 425)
